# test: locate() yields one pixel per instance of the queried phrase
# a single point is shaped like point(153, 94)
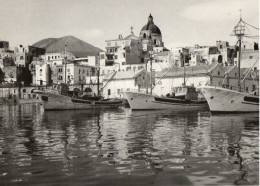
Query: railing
point(138, 91)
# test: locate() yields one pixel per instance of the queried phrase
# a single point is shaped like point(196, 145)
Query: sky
point(182, 22)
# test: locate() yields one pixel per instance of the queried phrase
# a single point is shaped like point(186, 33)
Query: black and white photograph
point(129, 92)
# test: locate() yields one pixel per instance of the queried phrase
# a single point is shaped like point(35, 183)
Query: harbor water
point(124, 147)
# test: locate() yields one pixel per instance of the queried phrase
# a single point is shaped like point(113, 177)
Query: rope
point(251, 25)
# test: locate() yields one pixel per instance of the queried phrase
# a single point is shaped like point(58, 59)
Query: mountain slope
point(74, 45)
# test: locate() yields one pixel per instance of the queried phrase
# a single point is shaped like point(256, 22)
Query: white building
point(89, 60)
point(74, 74)
point(120, 81)
point(42, 74)
point(249, 59)
point(169, 79)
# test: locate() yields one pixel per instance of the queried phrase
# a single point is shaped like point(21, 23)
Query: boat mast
point(239, 32)
point(98, 72)
point(65, 60)
point(184, 83)
point(151, 69)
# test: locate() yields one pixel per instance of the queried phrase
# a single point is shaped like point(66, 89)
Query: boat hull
point(225, 100)
point(141, 101)
point(50, 100)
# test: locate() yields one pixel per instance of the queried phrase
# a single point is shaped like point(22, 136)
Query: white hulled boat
point(143, 101)
point(225, 100)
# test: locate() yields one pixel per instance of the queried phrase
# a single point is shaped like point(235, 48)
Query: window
point(118, 91)
point(115, 49)
point(218, 73)
point(108, 92)
point(40, 72)
point(253, 88)
point(123, 55)
point(21, 57)
point(250, 57)
point(123, 63)
point(246, 89)
point(102, 56)
point(60, 70)
point(116, 57)
point(144, 35)
point(79, 71)
point(79, 78)
point(49, 57)
point(68, 70)
point(24, 90)
point(235, 74)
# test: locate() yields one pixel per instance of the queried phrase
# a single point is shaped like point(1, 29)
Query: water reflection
point(79, 147)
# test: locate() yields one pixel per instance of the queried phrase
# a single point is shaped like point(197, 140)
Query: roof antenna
point(240, 10)
point(132, 32)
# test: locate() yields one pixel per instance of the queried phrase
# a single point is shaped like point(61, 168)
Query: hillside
point(74, 45)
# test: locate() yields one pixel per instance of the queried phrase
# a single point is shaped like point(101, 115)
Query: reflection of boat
point(62, 99)
point(187, 98)
point(225, 100)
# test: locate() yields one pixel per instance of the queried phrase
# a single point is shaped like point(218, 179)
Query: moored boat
point(143, 101)
point(64, 100)
point(225, 100)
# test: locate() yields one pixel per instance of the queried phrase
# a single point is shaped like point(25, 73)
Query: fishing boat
point(225, 100)
point(184, 97)
point(143, 101)
point(59, 98)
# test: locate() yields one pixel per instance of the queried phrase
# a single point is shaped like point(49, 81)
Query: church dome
point(151, 26)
